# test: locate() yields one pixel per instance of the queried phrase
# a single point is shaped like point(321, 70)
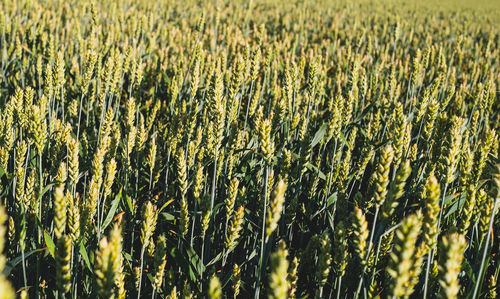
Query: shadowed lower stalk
point(330, 175)
point(248, 105)
point(212, 200)
point(39, 217)
point(191, 238)
point(24, 270)
point(79, 117)
point(479, 280)
point(339, 287)
point(140, 275)
point(214, 181)
point(77, 259)
point(264, 238)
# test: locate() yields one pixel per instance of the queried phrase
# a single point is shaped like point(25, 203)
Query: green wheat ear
point(293, 277)
point(452, 247)
point(430, 202)
point(61, 201)
point(396, 190)
point(380, 179)
point(324, 261)
point(73, 160)
point(485, 206)
point(265, 140)
point(104, 266)
point(278, 284)
point(7, 290)
point(160, 262)
point(215, 288)
point(359, 231)
point(402, 259)
point(235, 228)
point(149, 218)
point(340, 249)
point(492, 286)
point(276, 207)
point(231, 197)
point(236, 280)
point(449, 158)
point(63, 258)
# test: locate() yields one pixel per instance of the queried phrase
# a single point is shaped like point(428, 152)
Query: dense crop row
point(249, 149)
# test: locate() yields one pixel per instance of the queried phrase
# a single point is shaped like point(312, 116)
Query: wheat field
point(249, 149)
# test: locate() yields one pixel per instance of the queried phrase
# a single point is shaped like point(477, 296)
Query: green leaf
point(456, 206)
point(14, 262)
point(330, 220)
point(449, 198)
point(181, 260)
point(215, 259)
point(226, 279)
point(112, 210)
point(85, 257)
point(2, 172)
point(5, 173)
point(194, 259)
point(331, 199)
point(342, 137)
point(127, 256)
point(168, 216)
point(467, 268)
point(49, 242)
point(250, 257)
point(316, 170)
point(45, 189)
point(319, 135)
point(129, 204)
point(165, 205)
